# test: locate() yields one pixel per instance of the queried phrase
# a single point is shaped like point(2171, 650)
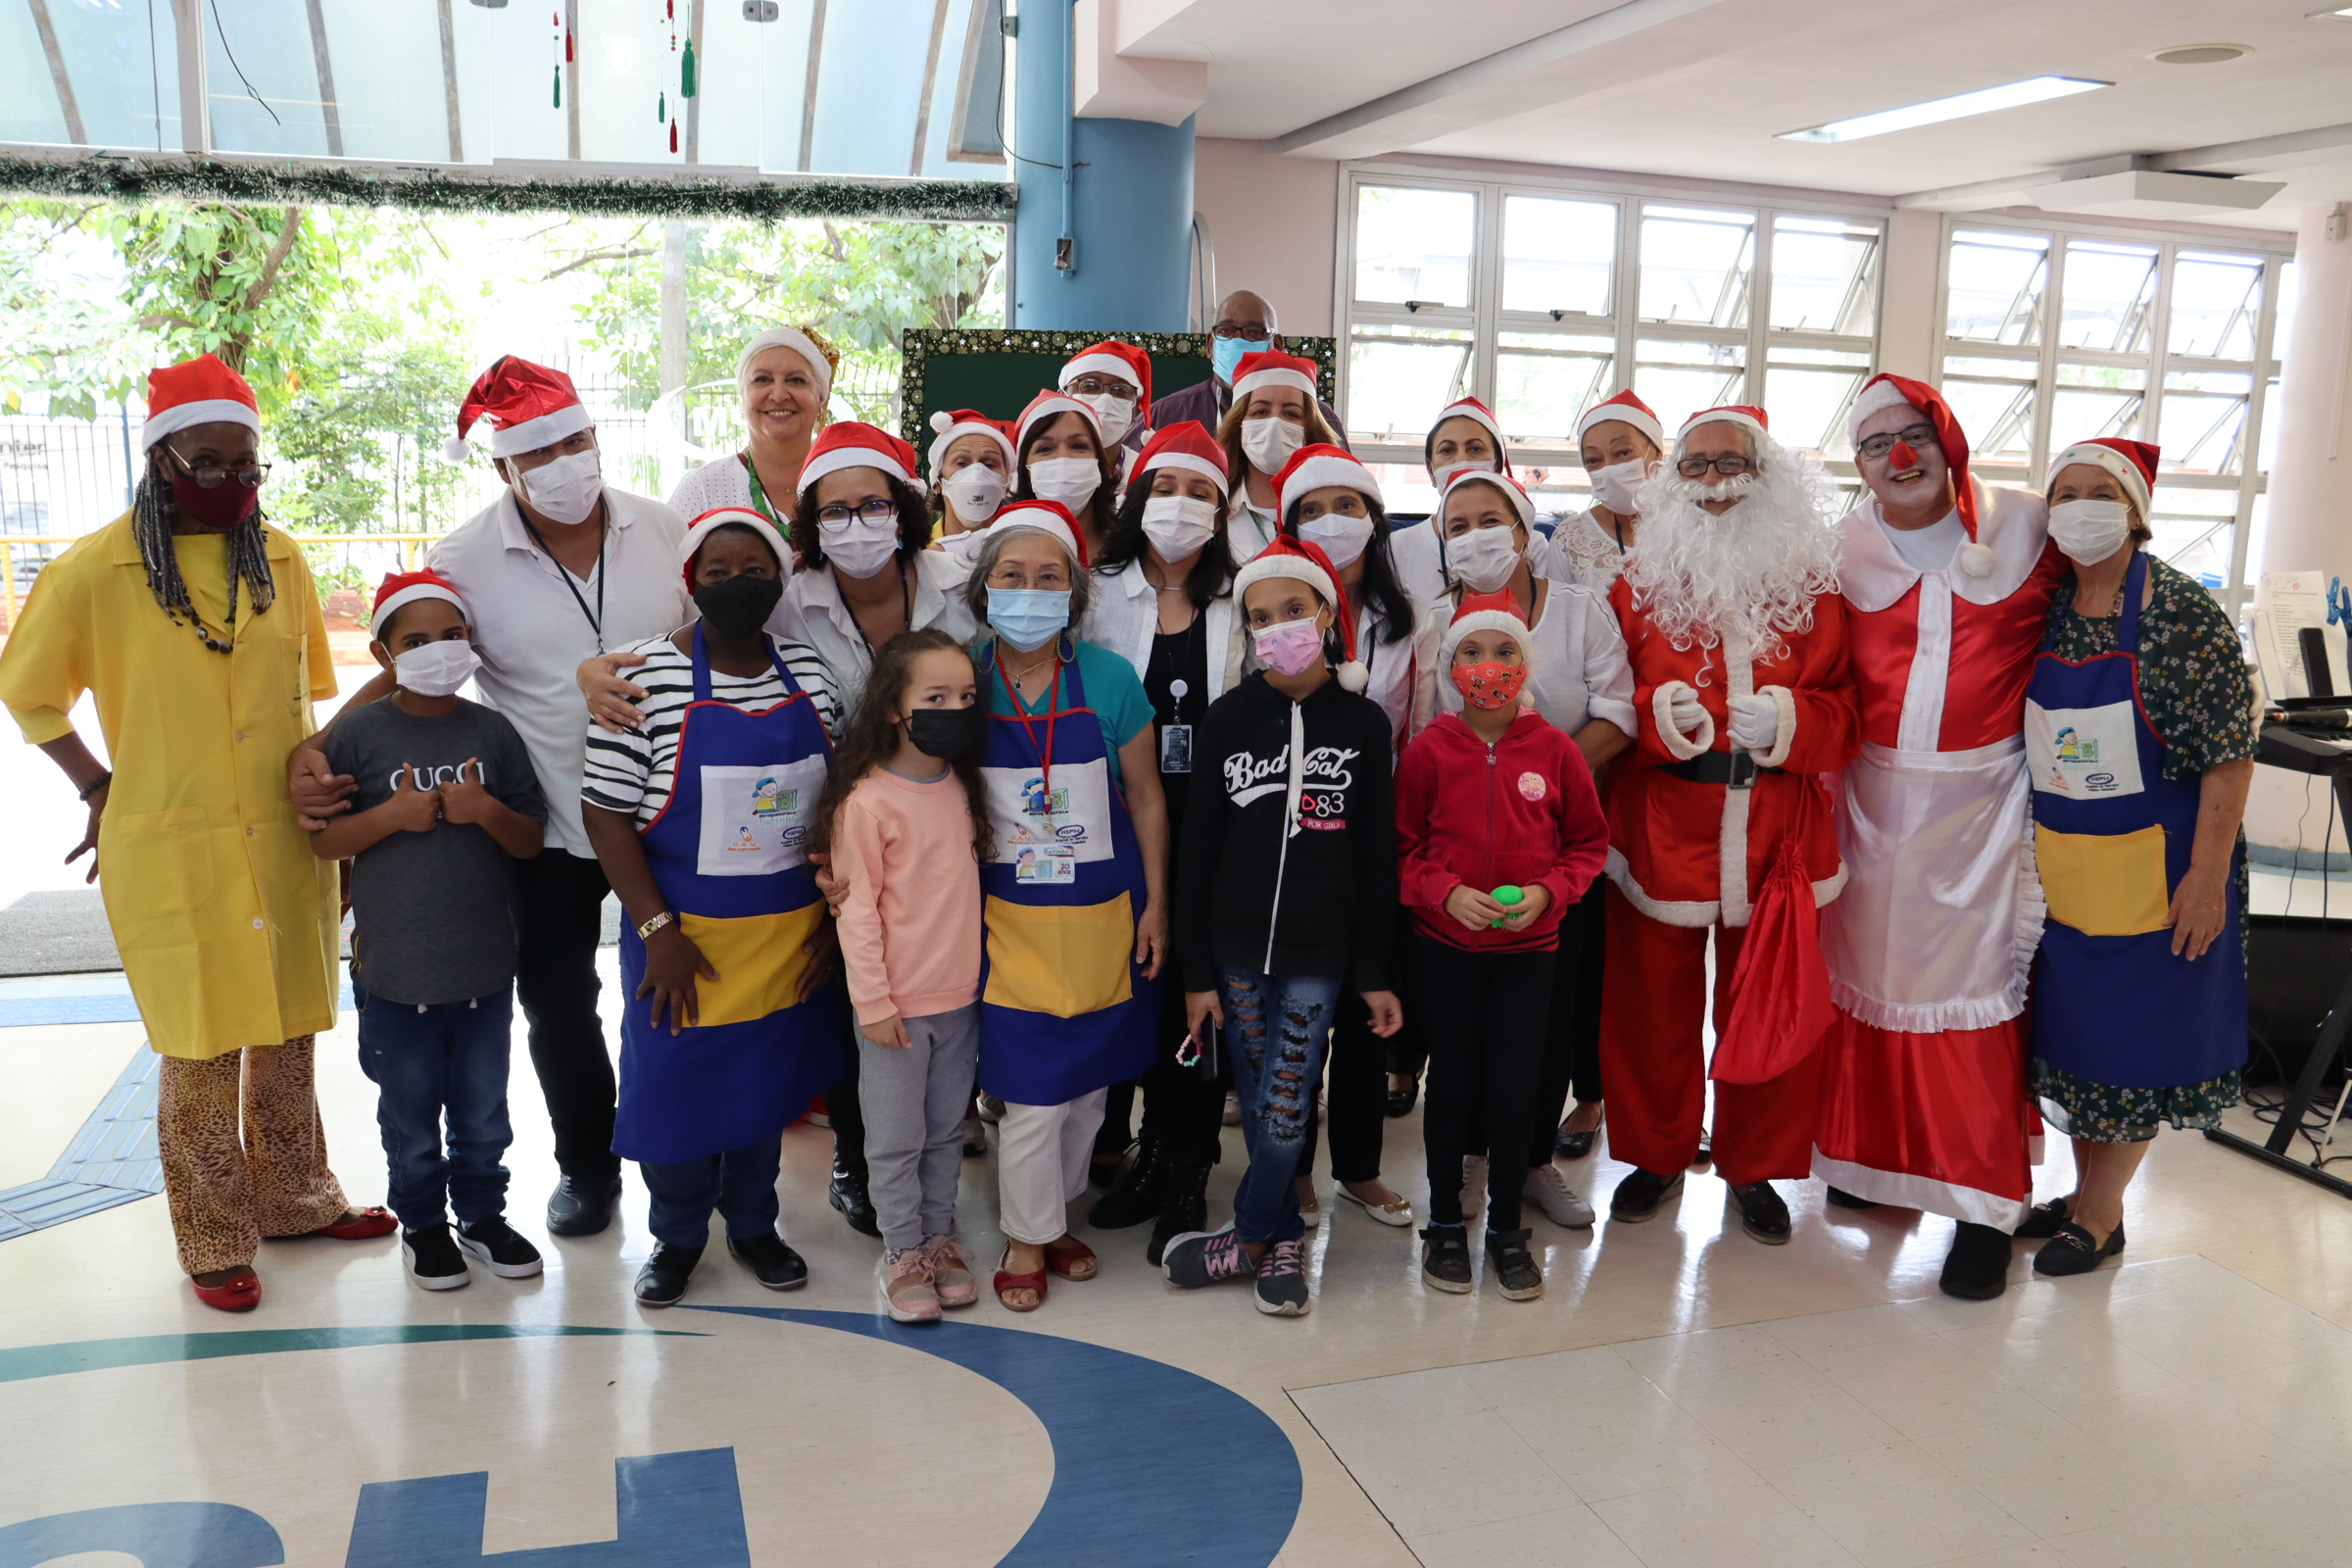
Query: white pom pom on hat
point(1353, 677)
point(1976, 559)
point(455, 450)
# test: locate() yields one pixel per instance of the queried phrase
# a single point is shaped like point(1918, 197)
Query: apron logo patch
point(769, 797)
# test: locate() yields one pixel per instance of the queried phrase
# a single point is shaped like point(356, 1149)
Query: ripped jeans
point(1276, 1030)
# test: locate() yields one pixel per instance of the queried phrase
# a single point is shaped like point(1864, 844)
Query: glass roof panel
point(262, 78)
point(389, 96)
point(125, 80)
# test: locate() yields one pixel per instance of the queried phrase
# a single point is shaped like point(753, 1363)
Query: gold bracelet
point(655, 924)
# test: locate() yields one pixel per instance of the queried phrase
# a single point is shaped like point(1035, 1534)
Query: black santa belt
point(1735, 769)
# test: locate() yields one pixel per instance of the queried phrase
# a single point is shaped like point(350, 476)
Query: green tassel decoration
point(661, 108)
point(558, 86)
point(686, 72)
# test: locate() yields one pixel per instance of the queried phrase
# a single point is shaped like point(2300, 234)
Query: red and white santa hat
point(405, 588)
point(802, 341)
point(1494, 612)
point(528, 406)
point(1624, 408)
point(1273, 368)
point(1746, 414)
point(953, 425)
point(1312, 468)
point(1049, 517)
point(852, 445)
point(1888, 391)
point(1512, 489)
point(1186, 444)
point(1111, 357)
point(1303, 561)
point(718, 517)
point(1049, 405)
point(198, 391)
point(2132, 462)
point(1478, 413)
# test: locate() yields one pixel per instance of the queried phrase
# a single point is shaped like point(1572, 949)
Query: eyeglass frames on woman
point(1878, 446)
point(1697, 467)
point(880, 509)
point(212, 478)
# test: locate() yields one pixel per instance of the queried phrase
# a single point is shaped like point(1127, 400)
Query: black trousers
point(1181, 1108)
point(1572, 1044)
point(1354, 1098)
point(841, 1109)
point(559, 916)
point(1486, 1017)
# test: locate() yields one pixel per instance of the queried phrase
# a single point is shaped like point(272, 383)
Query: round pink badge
point(1531, 785)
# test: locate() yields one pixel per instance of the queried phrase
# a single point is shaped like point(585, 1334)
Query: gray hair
point(984, 565)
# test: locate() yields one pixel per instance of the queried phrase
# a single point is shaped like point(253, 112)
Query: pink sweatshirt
point(911, 923)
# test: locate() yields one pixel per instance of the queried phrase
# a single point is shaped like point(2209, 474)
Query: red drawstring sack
point(1781, 988)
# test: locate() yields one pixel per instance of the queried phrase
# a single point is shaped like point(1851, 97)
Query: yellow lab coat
point(225, 920)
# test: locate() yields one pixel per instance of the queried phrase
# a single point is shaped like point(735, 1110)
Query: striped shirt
point(634, 771)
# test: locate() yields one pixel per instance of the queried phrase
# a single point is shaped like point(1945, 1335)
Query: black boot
point(1135, 1193)
point(1183, 1205)
point(848, 1194)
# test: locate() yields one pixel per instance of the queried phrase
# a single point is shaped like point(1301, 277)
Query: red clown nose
point(1900, 457)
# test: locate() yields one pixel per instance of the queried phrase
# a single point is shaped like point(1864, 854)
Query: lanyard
point(595, 619)
point(1044, 753)
point(759, 495)
point(906, 600)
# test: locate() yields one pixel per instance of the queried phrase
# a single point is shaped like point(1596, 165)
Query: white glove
point(1685, 712)
point(1755, 722)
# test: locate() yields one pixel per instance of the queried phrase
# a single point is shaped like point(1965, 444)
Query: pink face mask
point(1293, 646)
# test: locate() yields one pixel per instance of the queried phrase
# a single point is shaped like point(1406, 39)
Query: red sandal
point(240, 1294)
point(1071, 1258)
point(363, 1224)
point(1018, 1282)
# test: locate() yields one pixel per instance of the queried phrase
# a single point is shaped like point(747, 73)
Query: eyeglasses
point(1878, 446)
point(211, 479)
point(1697, 467)
point(879, 509)
point(1226, 329)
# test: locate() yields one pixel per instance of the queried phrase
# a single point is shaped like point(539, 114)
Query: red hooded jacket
point(1521, 812)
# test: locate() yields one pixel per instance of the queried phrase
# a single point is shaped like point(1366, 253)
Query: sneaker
point(493, 1244)
point(1206, 1258)
point(1474, 1184)
point(663, 1277)
point(1282, 1280)
point(1514, 1267)
point(1639, 1193)
point(772, 1262)
point(1763, 1215)
point(1446, 1258)
point(905, 1275)
point(1562, 1203)
point(433, 1259)
point(951, 1271)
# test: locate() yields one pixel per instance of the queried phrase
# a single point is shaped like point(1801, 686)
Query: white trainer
point(1562, 1203)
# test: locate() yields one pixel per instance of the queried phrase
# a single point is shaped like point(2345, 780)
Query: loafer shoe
point(2073, 1252)
point(1762, 1213)
point(1640, 1193)
point(1977, 1268)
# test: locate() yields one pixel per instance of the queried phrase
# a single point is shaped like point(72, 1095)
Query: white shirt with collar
point(1578, 670)
point(1124, 617)
point(813, 613)
point(532, 631)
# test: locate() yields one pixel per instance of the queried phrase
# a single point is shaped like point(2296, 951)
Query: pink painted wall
point(1274, 223)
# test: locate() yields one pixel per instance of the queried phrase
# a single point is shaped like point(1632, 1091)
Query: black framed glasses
point(250, 475)
point(880, 509)
point(1878, 446)
point(1730, 467)
point(1223, 329)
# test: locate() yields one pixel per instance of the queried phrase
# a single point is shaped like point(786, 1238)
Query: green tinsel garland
point(135, 180)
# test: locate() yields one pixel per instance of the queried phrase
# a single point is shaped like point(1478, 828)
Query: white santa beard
point(1754, 571)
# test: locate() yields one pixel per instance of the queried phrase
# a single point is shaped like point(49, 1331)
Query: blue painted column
point(1125, 204)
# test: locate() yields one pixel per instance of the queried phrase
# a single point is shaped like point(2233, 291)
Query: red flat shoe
point(1071, 1258)
point(364, 1225)
point(240, 1294)
point(1018, 1282)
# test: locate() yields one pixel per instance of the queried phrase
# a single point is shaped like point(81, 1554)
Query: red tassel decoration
point(673, 135)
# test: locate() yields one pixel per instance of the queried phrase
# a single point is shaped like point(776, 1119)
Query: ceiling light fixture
point(1983, 100)
point(2201, 53)
point(2338, 14)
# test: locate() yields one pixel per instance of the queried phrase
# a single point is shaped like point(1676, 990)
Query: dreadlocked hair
point(248, 557)
point(870, 739)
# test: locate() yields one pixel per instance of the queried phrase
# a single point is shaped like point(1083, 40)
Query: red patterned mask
point(1491, 684)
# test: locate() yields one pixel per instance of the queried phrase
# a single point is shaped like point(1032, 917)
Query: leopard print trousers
point(230, 1187)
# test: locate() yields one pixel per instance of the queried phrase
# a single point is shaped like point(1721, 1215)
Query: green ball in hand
point(1510, 897)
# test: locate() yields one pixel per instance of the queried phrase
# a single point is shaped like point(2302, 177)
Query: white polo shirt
point(813, 613)
point(532, 633)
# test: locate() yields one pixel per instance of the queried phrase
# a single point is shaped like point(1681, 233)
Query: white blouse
point(1580, 670)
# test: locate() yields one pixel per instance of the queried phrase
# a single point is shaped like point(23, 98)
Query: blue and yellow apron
point(1064, 1008)
point(2111, 838)
point(727, 854)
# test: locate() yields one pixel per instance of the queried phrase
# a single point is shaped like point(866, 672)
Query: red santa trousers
point(1940, 1122)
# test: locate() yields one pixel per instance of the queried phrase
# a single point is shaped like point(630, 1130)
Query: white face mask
point(2089, 531)
point(1613, 487)
point(566, 489)
point(1179, 525)
point(858, 547)
point(1072, 481)
point(1270, 441)
point(1483, 558)
point(1442, 475)
point(1341, 538)
point(975, 491)
point(1115, 414)
point(437, 669)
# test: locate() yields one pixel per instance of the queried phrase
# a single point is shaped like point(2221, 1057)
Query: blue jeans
point(432, 1063)
point(1277, 1029)
point(741, 1183)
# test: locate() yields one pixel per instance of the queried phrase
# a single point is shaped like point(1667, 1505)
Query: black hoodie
point(1255, 891)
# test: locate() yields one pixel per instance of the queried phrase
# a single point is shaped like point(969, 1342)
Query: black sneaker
point(1516, 1273)
point(771, 1262)
point(493, 1244)
point(1446, 1258)
point(433, 1259)
point(1762, 1213)
point(582, 1205)
point(1977, 1269)
point(1638, 1196)
point(1282, 1280)
point(662, 1280)
point(848, 1194)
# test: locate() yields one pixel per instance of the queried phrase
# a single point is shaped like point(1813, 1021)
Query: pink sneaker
point(906, 1290)
point(951, 1279)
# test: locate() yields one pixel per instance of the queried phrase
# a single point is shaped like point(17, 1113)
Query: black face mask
point(738, 605)
point(945, 733)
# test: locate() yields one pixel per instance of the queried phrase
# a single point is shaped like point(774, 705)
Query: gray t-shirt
point(433, 910)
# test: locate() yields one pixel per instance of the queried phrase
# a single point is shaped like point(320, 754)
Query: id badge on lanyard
point(1176, 740)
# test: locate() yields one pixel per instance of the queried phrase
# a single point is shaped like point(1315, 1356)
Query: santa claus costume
point(1924, 1097)
point(1743, 699)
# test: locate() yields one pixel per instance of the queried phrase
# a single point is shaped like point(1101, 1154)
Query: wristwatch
point(666, 918)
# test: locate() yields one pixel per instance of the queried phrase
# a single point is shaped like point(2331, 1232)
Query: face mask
point(2089, 531)
point(1269, 442)
point(220, 509)
point(1442, 475)
point(566, 490)
point(1490, 684)
point(1614, 486)
point(1225, 354)
point(975, 492)
point(1028, 617)
point(738, 605)
point(859, 546)
point(945, 733)
point(1341, 538)
point(1072, 481)
point(1179, 525)
point(1293, 646)
point(1483, 558)
point(1115, 414)
point(437, 669)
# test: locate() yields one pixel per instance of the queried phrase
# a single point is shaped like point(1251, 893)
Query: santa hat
point(1049, 517)
point(198, 391)
point(1303, 561)
point(1881, 392)
point(821, 356)
point(529, 407)
point(405, 588)
point(1311, 468)
point(718, 517)
point(1476, 413)
point(1746, 414)
point(2132, 462)
point(1046, 406)
point(953, 425)
point(1494, 612)
point(1511, 488)
point(1273, 368)
point(1624, 408)
point(1186, 444)
point(1111, 357)
point(852, 445)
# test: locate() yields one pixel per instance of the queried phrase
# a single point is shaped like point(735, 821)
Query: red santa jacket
point(1689, 852)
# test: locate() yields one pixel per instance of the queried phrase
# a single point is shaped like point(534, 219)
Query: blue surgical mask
point(1028, 617)
point(1225, 354)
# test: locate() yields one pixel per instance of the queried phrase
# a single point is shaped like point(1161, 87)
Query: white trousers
point(1042, 1153)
